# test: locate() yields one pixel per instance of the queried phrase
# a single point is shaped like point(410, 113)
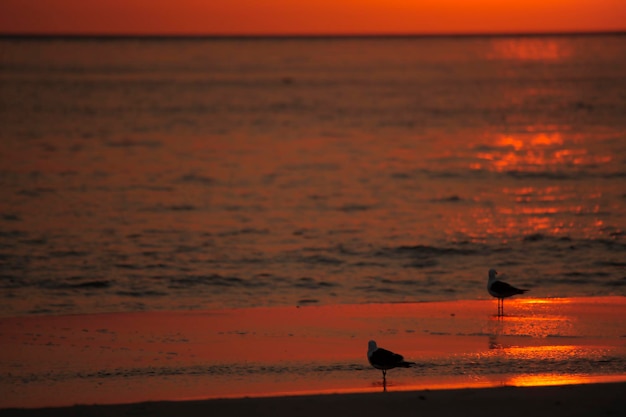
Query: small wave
point(321, 259)
point(425, 263)
point(244, 231)
point(535, 237)
point(42, 311)
point(449, 199)
point(34, 241)
point(181, 207)
point(350, 208)
point(10, 282)
point(560, 175)
point(401, 282)
point(610, 175)
point(214, 279)
point(376, 289)
point(218, 281)
point(310, 283)
point(586, 274)
point(91, 284)
point(10, 217)
point(548, 175)
point(618, 264)
point(197, 179)
point(132, 143)
point(616, 283)
point(173, 207)
point(577, 278)
point(67, 253)
point(611, 244)
point(12, 234)
point(451, 174)
point(425, 251)
point(36, 192)
point(82, 285)
point(141, 294)
point(369, 264)
point(400, 175)
point(128, 266)
point(307, 301)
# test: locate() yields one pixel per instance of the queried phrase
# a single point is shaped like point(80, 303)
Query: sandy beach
point(569, 400)
point(315, 352)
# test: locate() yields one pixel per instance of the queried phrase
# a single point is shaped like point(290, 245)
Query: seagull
point(501, 290)
point(384, 359)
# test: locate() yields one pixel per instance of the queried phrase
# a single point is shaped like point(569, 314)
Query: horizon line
point(251, 36)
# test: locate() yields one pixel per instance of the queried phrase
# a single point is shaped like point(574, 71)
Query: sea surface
point(158, 174)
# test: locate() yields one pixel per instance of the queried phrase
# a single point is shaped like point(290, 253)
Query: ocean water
point(143, 174)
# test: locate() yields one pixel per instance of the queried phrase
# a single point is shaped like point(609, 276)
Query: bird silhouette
point(384, 360)
point(501, 290)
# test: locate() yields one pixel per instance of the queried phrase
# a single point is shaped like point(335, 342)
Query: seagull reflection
point(495, 344)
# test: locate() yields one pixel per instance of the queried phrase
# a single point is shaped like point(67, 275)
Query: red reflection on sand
point(556, 379)
point(544, 301)
point(529, 317)
point(130, 357)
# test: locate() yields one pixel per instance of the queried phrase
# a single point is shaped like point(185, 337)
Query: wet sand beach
point(295, 352)
point(570, 400)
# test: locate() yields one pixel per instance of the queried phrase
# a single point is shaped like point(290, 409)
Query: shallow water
point(174, 174)
point(134, 357)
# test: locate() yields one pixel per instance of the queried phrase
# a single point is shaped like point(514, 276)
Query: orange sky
point(309, 16)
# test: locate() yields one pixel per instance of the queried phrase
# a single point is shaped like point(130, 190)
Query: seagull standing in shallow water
point(384, 359)
point(501, 290)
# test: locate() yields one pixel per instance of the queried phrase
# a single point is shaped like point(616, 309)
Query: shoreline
point(56, 361)
point(553, 401)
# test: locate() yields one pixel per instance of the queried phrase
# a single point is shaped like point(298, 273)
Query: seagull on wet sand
point(501, 290)
point(384, 359)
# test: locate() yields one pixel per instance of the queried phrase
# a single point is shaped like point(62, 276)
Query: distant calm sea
point(141, 174)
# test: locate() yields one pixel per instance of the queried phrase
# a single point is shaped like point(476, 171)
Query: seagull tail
point(521, 291)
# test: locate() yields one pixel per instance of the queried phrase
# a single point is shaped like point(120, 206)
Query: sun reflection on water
point(540, 156)
point(530, 49)
point(533, 151)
